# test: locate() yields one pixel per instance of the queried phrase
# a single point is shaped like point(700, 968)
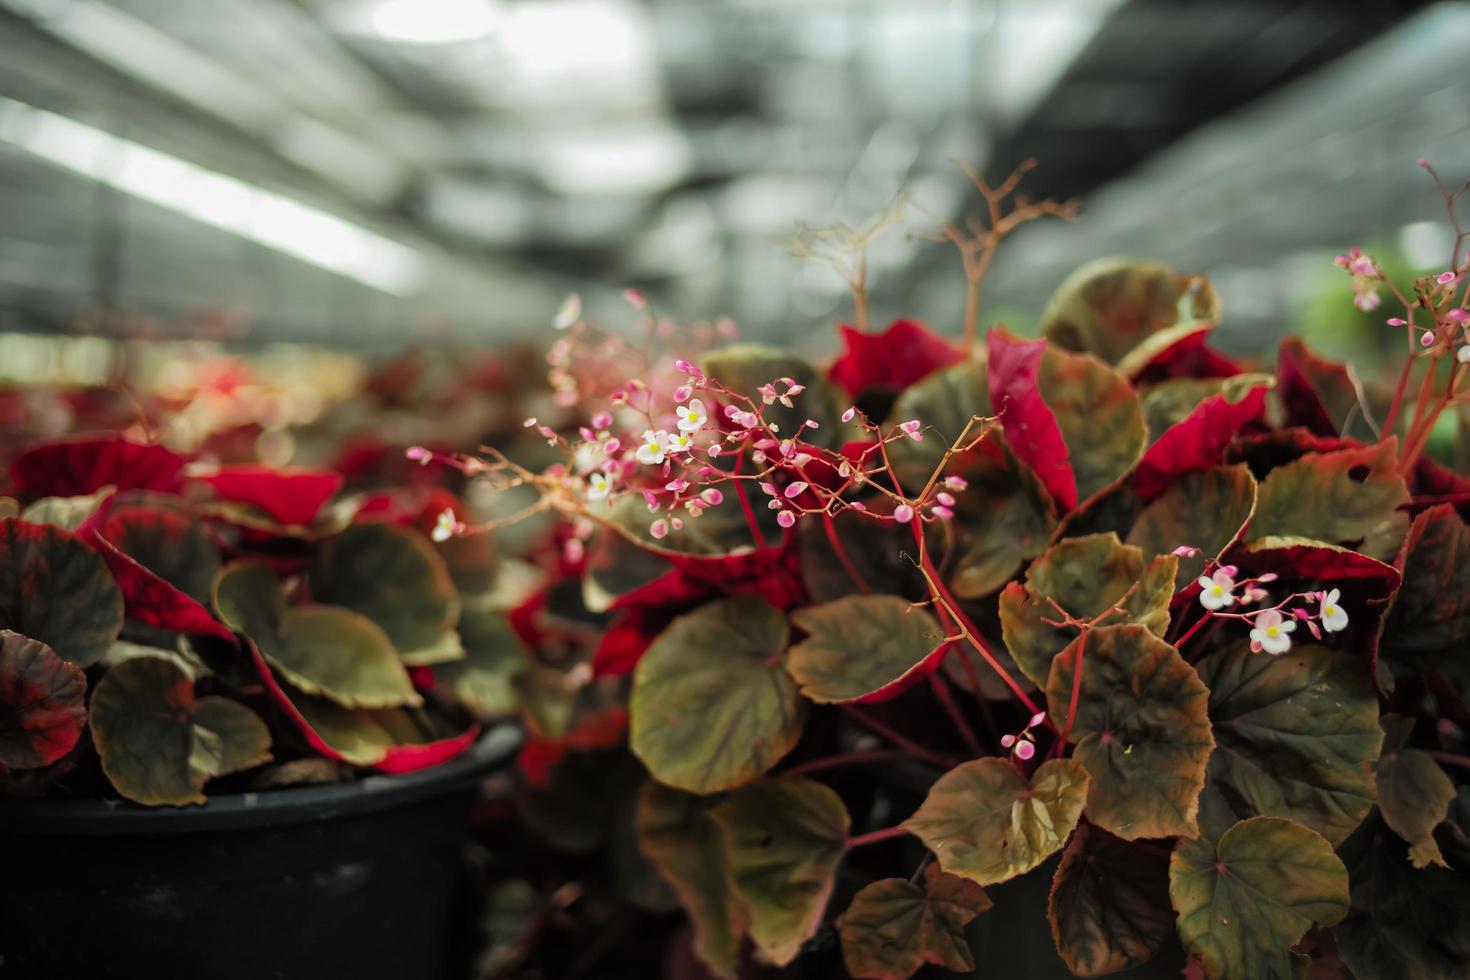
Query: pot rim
point(264, 808)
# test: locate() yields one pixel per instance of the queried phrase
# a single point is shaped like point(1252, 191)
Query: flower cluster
point(1271, 628)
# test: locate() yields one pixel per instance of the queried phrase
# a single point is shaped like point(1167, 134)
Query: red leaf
point(600, 729)
point(1031, 429)
point(538, 756)
point(1315, 393)
point(1434, 483)
point(43, 699)
point(625, 642)
point(291, 496)
point(1196, 442)
point(78, 466)
point(1190, 356)
point(904, 354)
point(1265, 451)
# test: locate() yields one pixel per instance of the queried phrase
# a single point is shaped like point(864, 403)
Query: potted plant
point(241, 715)
point(1092, 653)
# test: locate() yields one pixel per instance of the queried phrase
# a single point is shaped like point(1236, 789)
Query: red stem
point(846, 759)
point(755, 529)
point(1076, 693)
point(897, 738)
point(841, 554)
point(942, 692)
point(1449, 758)
point(875, 837)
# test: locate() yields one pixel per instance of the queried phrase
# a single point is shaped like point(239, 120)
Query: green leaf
point(1414, 795)
point(1428, 624)
point(1137, 360)
point(168, 542)
point(1207, 509)
point(1111, 305)
point(1085, 575)
point(743, 368)
point(362, 736)
point(986, 822)
point(324, 650)
point(677, 835)
point(783, 841)
point(394, 577)
point(894, 926)
point(712, 705)
point(67, 513)
point(1245, 901)
point(1350, 498)
point(880, 552)
point(55, 589)
point(485, 680)
point(1295, 736)
point(1100, 416)
point(42, 703)
point(1142, 730)
point(1404, 922)
point(1109, 904)
point(946, 401)
point(863, 647)
point(1002, 519)
point(159, 745)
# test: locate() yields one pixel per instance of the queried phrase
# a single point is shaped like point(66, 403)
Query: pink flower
point(682, 365)
point(941, 511)
point(659, 528)
point(1427, 338)
point(1272, 633)
point(635, 299)
point(903, 513)
point(1025, 750)
point(602, 420)
point(1185, 551)
point(945, 499)
point(956, 483)
point(911, 429)
point(786, 518)
point(1445, 278)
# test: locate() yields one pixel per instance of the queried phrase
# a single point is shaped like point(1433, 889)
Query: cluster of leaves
point(163, 625)
point(1014, 668)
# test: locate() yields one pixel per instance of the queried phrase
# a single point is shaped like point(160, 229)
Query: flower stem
point(875, 837)
point(897, 738)
point(946, 698)
point(846, 759)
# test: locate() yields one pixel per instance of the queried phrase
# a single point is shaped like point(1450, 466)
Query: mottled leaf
point(42, 703)
point(1109, 904)
point(169, 543)
point(320, 649)
point(1350, 497)
point(1099, 415)
point(1003, 518)
point(946, 401)
point(67, 513)
point(1191, 423)
point(864, 648)
point(1141, 730)
point(494, 657)
point(1295, 736)
point(712, 704)
point(81, 465)
point(1428, 625)
point(783, 841)
point(1086, 576)
point(676, 834)
point(1031, 428)
point(987, 822)
point(159, 745)
point(894, 926)
point(1111, 305)
point(1206, 509)
point(1245, 901)
point(1414, 795)
point(1323, 396)
point(394, 577)
point(55, 589)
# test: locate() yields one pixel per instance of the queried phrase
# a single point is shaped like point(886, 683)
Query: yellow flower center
point(1272, 631)
point(1330, 611)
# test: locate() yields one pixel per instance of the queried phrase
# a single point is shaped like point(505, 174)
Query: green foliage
point(861, 646)
point(894, 926)
point(55, 589)
point(1111, 305)
point(1109, 903)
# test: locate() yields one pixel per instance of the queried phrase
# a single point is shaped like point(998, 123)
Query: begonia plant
point(1106, 606)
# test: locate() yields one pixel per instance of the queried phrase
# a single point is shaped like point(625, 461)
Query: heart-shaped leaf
point(1245, 901)
point(323, 650)
point(1404, 922)
point(1109, 903)
point(55, 589)
point(1192, 432)
point(1206, 509)
point(1031, 428)
point(290, 496)
point(170, 543)
point(1350, 497)
point(1295, 736)
point(1111, 305)
point(904, 354)
point(864, 648)
point(783, 841)
point(1141, 729)
point(894, 926)
point(1003, 518)
point(712, 704)
point(1099, 415)
point(1086, 576)
point(685, 846)
point(1428, 624)
point(85, 464)
point(485, 680)
point(42, 703)
point(987, 822)
point(394, 577)
point(1414, 795)
point(159, 744)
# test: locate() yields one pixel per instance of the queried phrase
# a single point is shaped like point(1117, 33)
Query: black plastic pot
point(349, 880)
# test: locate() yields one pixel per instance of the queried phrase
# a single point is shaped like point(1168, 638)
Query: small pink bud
point(1185, 551)
point(847, 415)
point(682, 365)
point(1230, 570)
point(769, 489)
point(1457, 315)
point(712, 497)
point(903, 513)
point(942, 512)
point(1006, 741)
point(1445, 278)
point(1025, 750)
point(714, 451)
point(659, 528)
point(795, 489)
point(612, 446)
point(1397, 321)
point(418, 454)
point(956, 483)
point(529, 422)
point(676, 486)
point(1426, 339)
point(635, 299)
point(1036, 719)
point(682, 393)
point(811, 424)
point(944, 498)
point(786, 518)
point(911, 426)
point(1424, 163)
point(858, 505)
point(1267, 577)
point(602, 420)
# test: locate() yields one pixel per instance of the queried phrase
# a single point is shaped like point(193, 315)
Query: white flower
point(445, 526)
point(680, 442)
point(692, 417)
point(1463, 354)
point(1216, 591)
point(598, 486)
point(1334, 617)
point(1271, 633)
point(653, 447)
